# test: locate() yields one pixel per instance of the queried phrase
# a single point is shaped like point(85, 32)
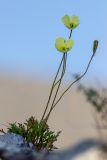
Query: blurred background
point(29, 60)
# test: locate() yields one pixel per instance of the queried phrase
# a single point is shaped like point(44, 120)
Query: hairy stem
point(62, 75)
point(63, 72)
point(51, 91)
point(70, 34)
point(80, 77)
point(64, 58)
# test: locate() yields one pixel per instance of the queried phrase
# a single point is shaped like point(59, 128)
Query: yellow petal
point(66, 21)
point(75, 21)
point(69, 44)
point(59, 44)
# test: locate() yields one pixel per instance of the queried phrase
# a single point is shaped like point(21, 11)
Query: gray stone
point(14, 147)
point(13, 139)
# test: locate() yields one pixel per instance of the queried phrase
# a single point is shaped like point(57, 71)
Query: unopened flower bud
point(95, 46)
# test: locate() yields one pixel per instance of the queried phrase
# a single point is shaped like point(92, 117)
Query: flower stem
point(70, 34)
point(51, 91)
point(80, 77)
point(64, 60)
point(60, 80)
point(60, 77)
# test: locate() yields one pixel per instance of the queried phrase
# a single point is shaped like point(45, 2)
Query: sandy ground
point(20, 99)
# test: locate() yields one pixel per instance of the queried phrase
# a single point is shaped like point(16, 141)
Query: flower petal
point(75, 21)
point(59, 44)
point(69, 44)
point(66, 21)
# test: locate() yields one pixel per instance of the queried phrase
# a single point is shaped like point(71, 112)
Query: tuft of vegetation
point(35, 132)
point(98, 99)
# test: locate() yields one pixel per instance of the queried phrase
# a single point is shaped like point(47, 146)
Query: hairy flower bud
point(95, 46)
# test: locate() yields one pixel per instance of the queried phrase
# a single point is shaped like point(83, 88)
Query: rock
point(13, 139)
point(14, 147)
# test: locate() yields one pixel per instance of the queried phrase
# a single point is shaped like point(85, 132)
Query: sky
point(28, 29)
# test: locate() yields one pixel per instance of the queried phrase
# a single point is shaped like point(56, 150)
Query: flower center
point(71, 25)
point(63, 48)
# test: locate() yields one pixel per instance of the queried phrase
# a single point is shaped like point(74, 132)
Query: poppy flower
point(70, 22)
point(63, 46)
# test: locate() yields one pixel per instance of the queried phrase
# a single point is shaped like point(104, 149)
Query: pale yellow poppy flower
point(63, 46)
point(70, 22)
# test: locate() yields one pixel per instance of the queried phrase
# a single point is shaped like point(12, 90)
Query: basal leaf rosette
point(70, 22)
point(63, 45)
